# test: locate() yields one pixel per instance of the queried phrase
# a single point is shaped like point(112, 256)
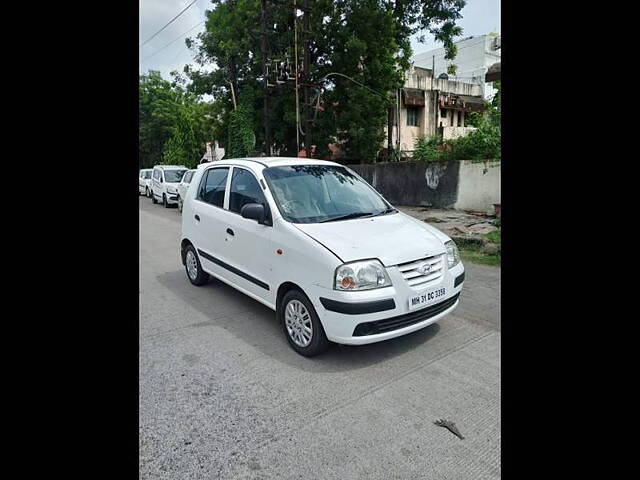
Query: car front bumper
point(358, 318)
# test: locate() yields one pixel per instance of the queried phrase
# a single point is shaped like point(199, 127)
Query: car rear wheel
point(301, 324)
point(195, 274)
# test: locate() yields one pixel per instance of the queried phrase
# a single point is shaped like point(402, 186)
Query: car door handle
point(230, 232)
point(197, 217)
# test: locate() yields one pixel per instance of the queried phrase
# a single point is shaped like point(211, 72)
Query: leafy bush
point(481, 144)
point(427, 150)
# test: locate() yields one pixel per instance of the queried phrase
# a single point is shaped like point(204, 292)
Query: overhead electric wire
point(171, 42)
point(169, 23)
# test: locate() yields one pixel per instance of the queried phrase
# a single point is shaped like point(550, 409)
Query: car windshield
point(146, 174)
point(173, 176)
point(322, 193)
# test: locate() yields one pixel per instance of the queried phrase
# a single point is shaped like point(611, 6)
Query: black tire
point(180, 204)
point(146, 192)
point(164, 201)
point(319, 342)
point(153, 198)
point(202, 277)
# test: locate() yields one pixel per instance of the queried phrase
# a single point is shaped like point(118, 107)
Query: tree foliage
point(174, 125)
point(368, 40)
point(241, 137)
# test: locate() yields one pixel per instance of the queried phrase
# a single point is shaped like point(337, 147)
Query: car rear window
point(213, 186)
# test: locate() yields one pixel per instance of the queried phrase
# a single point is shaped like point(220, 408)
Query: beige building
point(433, 106)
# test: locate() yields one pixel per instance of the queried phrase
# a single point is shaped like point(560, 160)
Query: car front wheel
point(301, 324)
point(164, 201)
point(153, 198)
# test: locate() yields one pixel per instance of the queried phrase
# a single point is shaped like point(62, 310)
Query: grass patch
point(493, 237)
point(476, 256)
point(473, 252)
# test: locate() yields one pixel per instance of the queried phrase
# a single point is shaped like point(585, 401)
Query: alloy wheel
point(298, 323)
point(192, 265)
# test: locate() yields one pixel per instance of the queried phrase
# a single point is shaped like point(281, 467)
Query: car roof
point(270, 161)
point(171, 167)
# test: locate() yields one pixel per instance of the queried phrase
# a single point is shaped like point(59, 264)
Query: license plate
point(427, 297)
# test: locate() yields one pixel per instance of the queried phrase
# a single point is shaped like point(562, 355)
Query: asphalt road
point(222, 395)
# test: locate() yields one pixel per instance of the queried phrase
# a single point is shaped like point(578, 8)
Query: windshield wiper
point(348, 216)
point(387, 211)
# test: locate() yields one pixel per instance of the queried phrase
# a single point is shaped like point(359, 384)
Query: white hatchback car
point(184, 184)
point(164, 183)
point(316, 243)
point(144, 182)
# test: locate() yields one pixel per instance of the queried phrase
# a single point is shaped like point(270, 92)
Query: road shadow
point(256, 325)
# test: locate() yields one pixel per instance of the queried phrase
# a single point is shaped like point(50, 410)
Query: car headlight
point(453, 256)
point(172, 190)
point(361, 275)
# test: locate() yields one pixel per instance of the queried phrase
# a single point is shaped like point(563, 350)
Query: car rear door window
point(244, 189)
point(213, 186)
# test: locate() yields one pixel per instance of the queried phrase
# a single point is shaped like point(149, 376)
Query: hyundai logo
point(424, 268)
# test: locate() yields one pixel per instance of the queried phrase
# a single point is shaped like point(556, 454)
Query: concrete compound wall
point(478, 186)
point(463, 185)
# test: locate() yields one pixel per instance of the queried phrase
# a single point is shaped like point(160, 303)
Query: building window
point(412, 117)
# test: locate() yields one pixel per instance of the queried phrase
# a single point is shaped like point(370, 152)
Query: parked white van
point(184, 184)
point(164, 183)
point(144, 182)
point(316, 243)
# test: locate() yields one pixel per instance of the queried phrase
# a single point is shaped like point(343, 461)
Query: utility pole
point(308, 120)
point(263, 45)
point(389, 131)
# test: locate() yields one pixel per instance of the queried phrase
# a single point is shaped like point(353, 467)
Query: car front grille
point(395, 323)
point(419, 280)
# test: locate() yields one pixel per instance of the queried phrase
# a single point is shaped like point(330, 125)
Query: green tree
point(158, 105)
point(174, 125)
point(368, 40)
point(182, 148)
point(241, 138)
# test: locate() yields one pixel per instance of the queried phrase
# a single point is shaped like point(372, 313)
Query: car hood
point(393, 239)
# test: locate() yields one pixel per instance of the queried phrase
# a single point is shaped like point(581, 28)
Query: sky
point(478, 17)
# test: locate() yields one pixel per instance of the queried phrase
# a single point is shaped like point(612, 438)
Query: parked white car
point(164, 183)
point(144, 182)
point(313, 241)
point(184, 184)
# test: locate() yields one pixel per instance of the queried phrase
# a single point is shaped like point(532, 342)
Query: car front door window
point(244, 189)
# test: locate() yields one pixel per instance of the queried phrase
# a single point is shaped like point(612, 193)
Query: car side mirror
point(253, 211)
